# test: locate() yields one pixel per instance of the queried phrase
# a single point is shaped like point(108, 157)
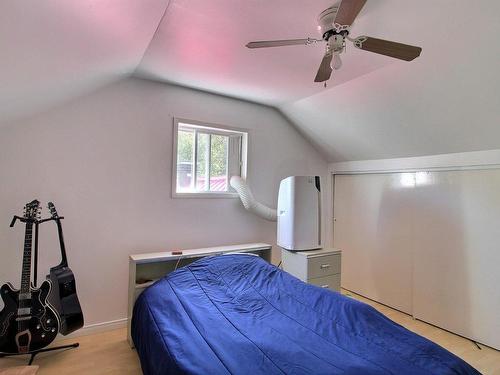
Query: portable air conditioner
point(299, 213)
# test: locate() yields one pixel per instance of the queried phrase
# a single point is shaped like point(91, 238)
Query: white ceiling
point(55, 49)
point(375, 107)
point(202, 44)
point(447, 100)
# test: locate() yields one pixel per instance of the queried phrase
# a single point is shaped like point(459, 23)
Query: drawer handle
point(324, 286)
point(323, 266)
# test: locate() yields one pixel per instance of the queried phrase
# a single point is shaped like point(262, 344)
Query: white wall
point(105, 160)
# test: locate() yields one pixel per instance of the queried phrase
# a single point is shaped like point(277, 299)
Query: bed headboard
point(146, 268)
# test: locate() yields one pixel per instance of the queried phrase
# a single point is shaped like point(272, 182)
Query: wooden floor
point(486, 360)
point(109, 353)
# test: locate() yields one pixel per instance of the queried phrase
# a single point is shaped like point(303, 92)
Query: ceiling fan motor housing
point(326, 23)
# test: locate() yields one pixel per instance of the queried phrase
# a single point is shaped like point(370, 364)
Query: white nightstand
point(318, 267)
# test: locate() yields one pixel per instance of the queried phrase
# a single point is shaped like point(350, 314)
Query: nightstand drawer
point(323, 266)
point(331, 282)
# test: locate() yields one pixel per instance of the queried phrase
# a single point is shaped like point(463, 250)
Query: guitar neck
point(64, 259)
point(26, 272)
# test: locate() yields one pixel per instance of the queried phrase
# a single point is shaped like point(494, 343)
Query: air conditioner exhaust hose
point(249, 201)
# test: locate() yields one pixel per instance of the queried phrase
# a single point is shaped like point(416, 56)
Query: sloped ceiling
point(375, 107)
point(447, 100)
point(201, 44)
point(51, 50)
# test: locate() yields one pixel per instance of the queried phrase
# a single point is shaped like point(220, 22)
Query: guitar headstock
point(32, 210)
point(52, 209)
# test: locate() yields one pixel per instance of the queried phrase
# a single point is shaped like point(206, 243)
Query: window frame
point(210, 128)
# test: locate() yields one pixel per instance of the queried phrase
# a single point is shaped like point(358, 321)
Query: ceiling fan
point(334, 26)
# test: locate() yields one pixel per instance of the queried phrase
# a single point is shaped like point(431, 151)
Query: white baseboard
point(95, 328)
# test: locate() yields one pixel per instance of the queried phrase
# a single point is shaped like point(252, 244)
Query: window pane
point(202, 161)
point(207, 157)
point(218, 163)
point(185, 141)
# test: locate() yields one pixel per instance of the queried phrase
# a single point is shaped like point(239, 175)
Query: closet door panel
point(456, 277)
point(373, 228)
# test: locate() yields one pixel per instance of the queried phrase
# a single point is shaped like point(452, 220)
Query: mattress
point(237, 314)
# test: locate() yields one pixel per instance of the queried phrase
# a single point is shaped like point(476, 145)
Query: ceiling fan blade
point(348, 11)
point(325, 70)
point(385, 47)
point(281, 43)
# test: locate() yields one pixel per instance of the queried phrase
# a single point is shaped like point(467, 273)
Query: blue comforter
point(237, 314)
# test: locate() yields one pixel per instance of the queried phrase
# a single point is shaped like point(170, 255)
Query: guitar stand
point(34, 353)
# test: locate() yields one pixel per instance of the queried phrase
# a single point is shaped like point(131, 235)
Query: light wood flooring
point(486, 360)
point(109, 353)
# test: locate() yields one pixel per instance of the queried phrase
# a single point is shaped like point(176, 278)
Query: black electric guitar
point(27, 322)
point(63, 296)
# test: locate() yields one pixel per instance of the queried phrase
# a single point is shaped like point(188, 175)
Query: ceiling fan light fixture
point(336, 63)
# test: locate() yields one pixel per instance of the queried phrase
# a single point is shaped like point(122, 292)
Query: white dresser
point(317, 267)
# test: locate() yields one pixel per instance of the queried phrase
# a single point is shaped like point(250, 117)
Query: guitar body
point(63, 297)
point(65, 300)
point(24, 329)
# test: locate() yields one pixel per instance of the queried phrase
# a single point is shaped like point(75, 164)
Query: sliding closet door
point(457, 253)
point(373, 228)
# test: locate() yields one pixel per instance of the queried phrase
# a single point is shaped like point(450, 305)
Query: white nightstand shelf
point(317, 267)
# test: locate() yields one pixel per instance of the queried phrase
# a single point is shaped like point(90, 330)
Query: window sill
point(205, 195)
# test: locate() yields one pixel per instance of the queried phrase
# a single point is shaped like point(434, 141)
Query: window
point(205, 158)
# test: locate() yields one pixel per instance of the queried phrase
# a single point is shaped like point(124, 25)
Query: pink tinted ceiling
point(201, 44)
point(55, 49)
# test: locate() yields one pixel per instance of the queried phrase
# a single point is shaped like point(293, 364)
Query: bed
point(237, 314)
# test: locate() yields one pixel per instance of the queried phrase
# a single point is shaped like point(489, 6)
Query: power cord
point(177, 264)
